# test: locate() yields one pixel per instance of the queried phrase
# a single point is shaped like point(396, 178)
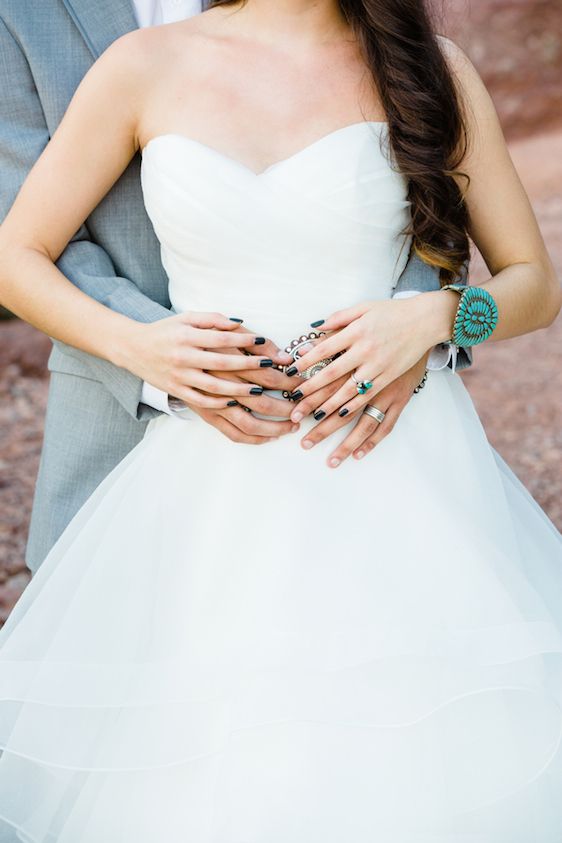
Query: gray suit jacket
point(94, 414)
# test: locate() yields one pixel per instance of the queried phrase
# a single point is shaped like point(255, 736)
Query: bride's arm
point(89, 151)
point(502, 224)
point(384, 339)
point(93, 145)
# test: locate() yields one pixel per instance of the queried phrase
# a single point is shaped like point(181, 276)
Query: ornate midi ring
point(294, 349)
point(362, 386)
point(376, 414)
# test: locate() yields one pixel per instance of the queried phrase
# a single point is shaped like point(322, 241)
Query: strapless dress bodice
point(315, 232)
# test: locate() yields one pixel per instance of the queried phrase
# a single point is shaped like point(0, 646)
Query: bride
point(379, 655)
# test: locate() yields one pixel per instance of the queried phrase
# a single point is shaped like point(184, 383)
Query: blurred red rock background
point(516, 385)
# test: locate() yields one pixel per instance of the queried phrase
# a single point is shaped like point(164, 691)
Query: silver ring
point(376, 414)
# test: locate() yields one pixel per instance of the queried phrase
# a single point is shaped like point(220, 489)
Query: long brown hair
point(426, 121)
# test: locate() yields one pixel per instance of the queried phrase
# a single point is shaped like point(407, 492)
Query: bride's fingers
point(327, 347)
point(204, 359)
point(265, 404)
point(373, 437)
point(269, 377)
point(324, 429)
point(222, 386)
point(364, 430)
point(209, 338)
point(269, 348)
point(341, 318)
point(323, 394)
point(210, 319)
point(201, 400)
point(321, 406)
point(348, 400)
point(305, 390)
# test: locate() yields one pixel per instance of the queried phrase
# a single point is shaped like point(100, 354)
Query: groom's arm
point(90, 268)
point(418, 277)
point(23, 136)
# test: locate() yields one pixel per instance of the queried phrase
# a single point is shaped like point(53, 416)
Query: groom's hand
point(242, 426)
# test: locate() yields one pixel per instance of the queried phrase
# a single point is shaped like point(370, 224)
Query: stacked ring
point(375, 413)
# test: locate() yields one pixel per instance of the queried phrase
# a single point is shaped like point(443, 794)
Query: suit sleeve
point(418, 276)
point(23, 136)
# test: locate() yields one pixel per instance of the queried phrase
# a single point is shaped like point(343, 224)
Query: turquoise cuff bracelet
point(476, 316)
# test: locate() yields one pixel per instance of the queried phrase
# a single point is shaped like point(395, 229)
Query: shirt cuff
point(160, 400)
point(441, 354)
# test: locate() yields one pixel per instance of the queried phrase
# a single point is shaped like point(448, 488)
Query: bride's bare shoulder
point(152, 49)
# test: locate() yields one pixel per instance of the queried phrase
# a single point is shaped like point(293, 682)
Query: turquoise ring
point(362, 386)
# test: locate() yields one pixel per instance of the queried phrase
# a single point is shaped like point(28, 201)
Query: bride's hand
point(380, 341)
point(367, 432)
point(175, 354)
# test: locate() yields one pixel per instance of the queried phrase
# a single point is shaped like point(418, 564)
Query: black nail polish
point(256, 390)
point(265, 363)
point(232, 403)
point(317, 323)
point(343, 412)
point(235, 319)
point(292, 370)
point(296, 395)
point(319, 414)
point(259, 341)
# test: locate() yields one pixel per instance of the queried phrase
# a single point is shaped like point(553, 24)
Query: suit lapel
point(101, 21)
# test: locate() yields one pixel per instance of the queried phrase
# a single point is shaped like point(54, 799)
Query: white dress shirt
point(152, 13)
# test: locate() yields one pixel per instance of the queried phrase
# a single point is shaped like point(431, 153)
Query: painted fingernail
point(360, 454)
point(319, 414)
point(296, 395)
point(334, 462)
point(265, 363)
point(232, 404)
point(259, 341)
point(297, 417)
point(317, 323)
point(235, 319)
point(256, 390)
point(343, 412)
point(292, 370)
point(307, 444)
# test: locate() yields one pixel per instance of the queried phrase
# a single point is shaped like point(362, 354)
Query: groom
point(96, 412)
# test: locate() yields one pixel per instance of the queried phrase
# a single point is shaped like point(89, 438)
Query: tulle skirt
point(236, 644)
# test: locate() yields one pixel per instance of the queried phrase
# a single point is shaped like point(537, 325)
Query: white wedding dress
point(233, 644)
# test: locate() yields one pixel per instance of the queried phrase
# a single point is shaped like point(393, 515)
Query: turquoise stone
point(476, 317)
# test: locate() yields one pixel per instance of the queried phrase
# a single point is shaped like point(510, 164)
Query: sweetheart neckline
point(271, 167)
